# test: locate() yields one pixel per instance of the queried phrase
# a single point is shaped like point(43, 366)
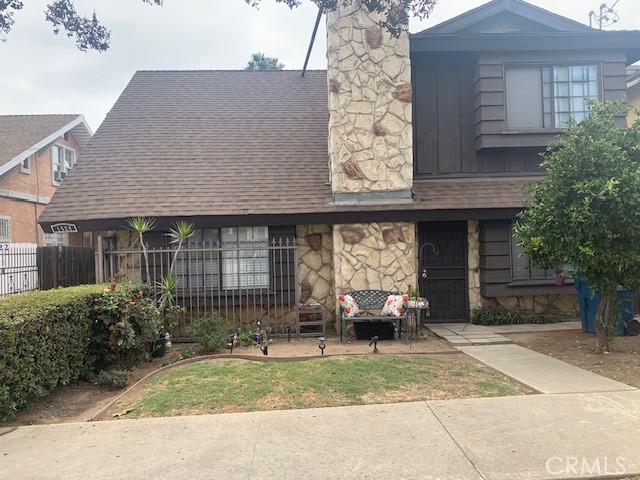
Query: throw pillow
point(349, 305)
point(394, 306)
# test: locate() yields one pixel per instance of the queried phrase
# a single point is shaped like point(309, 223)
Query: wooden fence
point(65, 266)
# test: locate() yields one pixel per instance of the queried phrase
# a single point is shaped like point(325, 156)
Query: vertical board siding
point(444, 113)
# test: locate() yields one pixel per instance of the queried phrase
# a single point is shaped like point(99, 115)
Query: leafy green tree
point(260, 62)
point(586, 211)
point(90, 34)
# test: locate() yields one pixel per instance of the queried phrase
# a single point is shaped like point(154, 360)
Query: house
point(402, 164)
point(36, 154)
point(633, 92)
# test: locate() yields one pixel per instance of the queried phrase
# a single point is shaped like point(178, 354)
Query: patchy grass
point(240, 386)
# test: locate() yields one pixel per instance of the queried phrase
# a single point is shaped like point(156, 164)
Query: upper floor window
point(25, 166)
point(547, 96)
point(63, 159)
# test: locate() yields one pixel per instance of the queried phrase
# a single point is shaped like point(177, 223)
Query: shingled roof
point(22, 135)
point(225, 144)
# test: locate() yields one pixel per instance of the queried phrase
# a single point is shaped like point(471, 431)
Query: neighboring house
point(36, 154)
point(633, 92)
point(430, 139)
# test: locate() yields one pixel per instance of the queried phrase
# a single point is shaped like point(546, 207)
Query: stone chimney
point(370, 135)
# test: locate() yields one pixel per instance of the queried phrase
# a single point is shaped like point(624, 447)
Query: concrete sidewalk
point(510, 438)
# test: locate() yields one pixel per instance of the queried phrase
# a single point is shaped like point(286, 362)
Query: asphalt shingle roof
point(227, 143)
point(20, 132)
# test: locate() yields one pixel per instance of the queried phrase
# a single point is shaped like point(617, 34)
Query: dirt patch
point(80, 401)
point(576, 348)
point(76, 402)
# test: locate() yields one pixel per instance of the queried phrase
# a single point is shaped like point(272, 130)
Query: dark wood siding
point(444, 116)
point(495, 265)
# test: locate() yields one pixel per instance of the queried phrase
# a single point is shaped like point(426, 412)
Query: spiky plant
point(140, 226)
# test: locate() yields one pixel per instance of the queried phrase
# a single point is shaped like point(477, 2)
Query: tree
point(90, 34)
point(586, 211)
point(260, 62)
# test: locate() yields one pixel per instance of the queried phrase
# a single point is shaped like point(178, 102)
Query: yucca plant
point(140, 226)
point(179, 233)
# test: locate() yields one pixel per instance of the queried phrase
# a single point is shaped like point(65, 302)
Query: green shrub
point(43, 342)
point(125, 326)
point(207, 333)
point(113, 378)
point(500, 315)
point(54, 337)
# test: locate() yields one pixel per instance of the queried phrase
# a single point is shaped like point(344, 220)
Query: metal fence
point(243, 281)
point(18, 268)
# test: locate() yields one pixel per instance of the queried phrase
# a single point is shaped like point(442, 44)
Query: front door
point(443, 259)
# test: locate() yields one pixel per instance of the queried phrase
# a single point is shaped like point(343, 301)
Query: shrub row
point(54, 337)
point(499, 315)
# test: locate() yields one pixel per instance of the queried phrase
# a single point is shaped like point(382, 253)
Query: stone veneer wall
point(379, 256)
point(473, 265)
point(369, 77)
point(564, 303)
point(315, 267)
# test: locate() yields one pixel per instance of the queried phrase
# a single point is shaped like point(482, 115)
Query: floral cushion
point(394, 306)
point(349, 305)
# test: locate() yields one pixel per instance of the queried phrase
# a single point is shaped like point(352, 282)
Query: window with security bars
point(521, 267)
point(548, 96)
point(228, 259)
point(5, 229)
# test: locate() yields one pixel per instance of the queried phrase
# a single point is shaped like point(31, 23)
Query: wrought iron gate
point(446, 284)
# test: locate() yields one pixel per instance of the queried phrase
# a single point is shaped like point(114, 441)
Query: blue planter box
point(589, 306)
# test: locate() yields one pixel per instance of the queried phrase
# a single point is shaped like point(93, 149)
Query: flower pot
point(559, 280)
point(159, 348)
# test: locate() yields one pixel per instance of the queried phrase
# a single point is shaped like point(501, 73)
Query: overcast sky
point(44, 73)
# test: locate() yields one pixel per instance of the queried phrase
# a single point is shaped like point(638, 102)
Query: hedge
point(43, 342)
point(54, 337)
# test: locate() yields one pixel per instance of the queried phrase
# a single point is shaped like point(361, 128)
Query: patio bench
point(370, 303)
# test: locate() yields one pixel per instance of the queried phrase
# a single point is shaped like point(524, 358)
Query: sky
point(44, 73)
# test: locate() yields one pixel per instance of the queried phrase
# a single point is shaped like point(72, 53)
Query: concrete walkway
point(463, 334)
point(541, 372)
point(508, 438)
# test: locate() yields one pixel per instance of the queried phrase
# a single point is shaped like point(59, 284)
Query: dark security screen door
point(446, 285)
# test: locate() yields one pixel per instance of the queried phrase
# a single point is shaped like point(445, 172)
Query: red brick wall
point(39, 181)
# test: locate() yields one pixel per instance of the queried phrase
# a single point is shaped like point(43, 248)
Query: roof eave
point(518, 7)
point(624, 40)
point(79, 124)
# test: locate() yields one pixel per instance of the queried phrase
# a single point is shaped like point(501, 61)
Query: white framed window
point(62, 160)
point(547, 96)
point(87, 239)
point(248, 265)
point(25, 166)
point(5, 229)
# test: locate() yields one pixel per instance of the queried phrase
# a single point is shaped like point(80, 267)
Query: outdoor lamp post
point(287, 328)
point(321, 344)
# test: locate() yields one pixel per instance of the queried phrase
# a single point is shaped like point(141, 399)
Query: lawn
point(240, 386)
